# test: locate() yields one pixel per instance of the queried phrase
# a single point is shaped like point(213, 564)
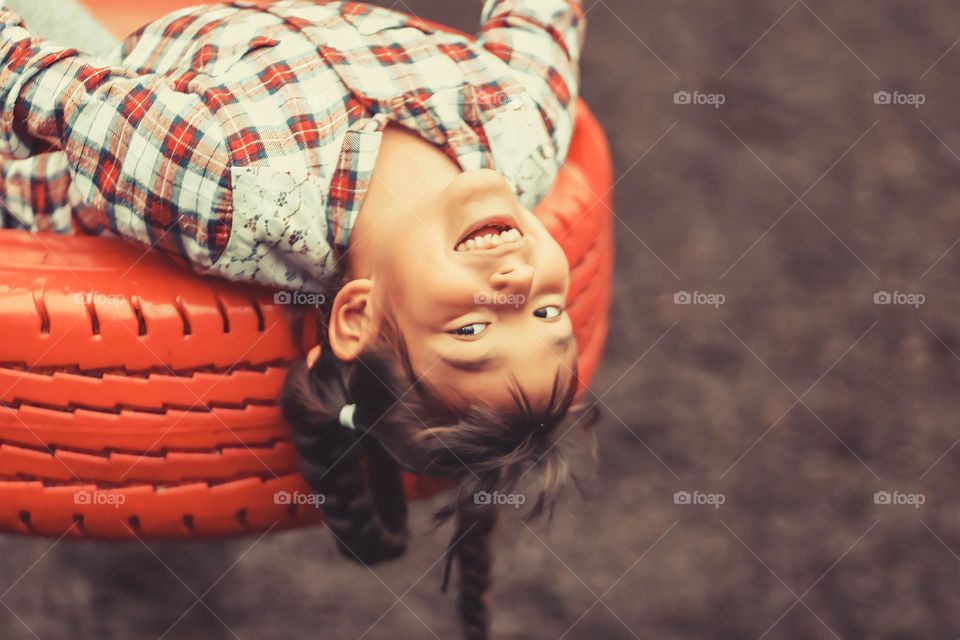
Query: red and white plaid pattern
point(243, 138)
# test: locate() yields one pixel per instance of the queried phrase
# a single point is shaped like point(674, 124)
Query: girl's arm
point(153, 160)
point(541, 40)
point(35, 193)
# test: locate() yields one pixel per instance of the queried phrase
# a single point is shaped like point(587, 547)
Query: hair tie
point(346, 416)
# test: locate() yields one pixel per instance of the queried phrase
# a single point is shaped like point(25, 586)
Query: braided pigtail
point(367, 516)
point(474, 560)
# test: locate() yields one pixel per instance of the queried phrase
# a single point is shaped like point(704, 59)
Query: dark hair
point(402, 422)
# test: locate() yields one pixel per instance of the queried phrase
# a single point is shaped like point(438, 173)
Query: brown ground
point(687, 389)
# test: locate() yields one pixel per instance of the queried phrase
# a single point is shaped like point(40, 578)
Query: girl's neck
point(409, 175)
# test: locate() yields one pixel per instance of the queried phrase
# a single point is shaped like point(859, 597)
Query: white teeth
point(490, 240)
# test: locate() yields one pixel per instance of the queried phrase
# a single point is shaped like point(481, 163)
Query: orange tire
point(150, 409)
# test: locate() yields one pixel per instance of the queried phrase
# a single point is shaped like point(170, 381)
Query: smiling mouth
point(489, 235)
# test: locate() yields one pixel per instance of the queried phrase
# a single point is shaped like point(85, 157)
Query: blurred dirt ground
point(797, 399)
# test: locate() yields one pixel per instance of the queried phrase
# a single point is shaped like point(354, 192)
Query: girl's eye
point(474, 329)
point(548, 313)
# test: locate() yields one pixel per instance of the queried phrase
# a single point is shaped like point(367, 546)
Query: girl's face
point(477, 288)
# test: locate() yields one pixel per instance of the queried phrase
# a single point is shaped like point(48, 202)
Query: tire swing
point(158, 396)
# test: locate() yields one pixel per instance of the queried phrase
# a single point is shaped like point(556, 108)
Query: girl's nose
point(513, 278)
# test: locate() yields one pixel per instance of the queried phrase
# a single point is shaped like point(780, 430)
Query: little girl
point(359, 153)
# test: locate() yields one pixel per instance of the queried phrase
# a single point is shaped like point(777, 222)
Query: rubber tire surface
point(149, 408)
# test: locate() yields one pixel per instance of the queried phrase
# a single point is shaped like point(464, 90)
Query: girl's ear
point(352, 320)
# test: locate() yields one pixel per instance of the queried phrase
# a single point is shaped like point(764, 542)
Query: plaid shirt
point(243, 138)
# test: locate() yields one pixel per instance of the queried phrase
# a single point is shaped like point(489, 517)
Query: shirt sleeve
point(35, 193)
point(542, 41)
point(151, 159)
